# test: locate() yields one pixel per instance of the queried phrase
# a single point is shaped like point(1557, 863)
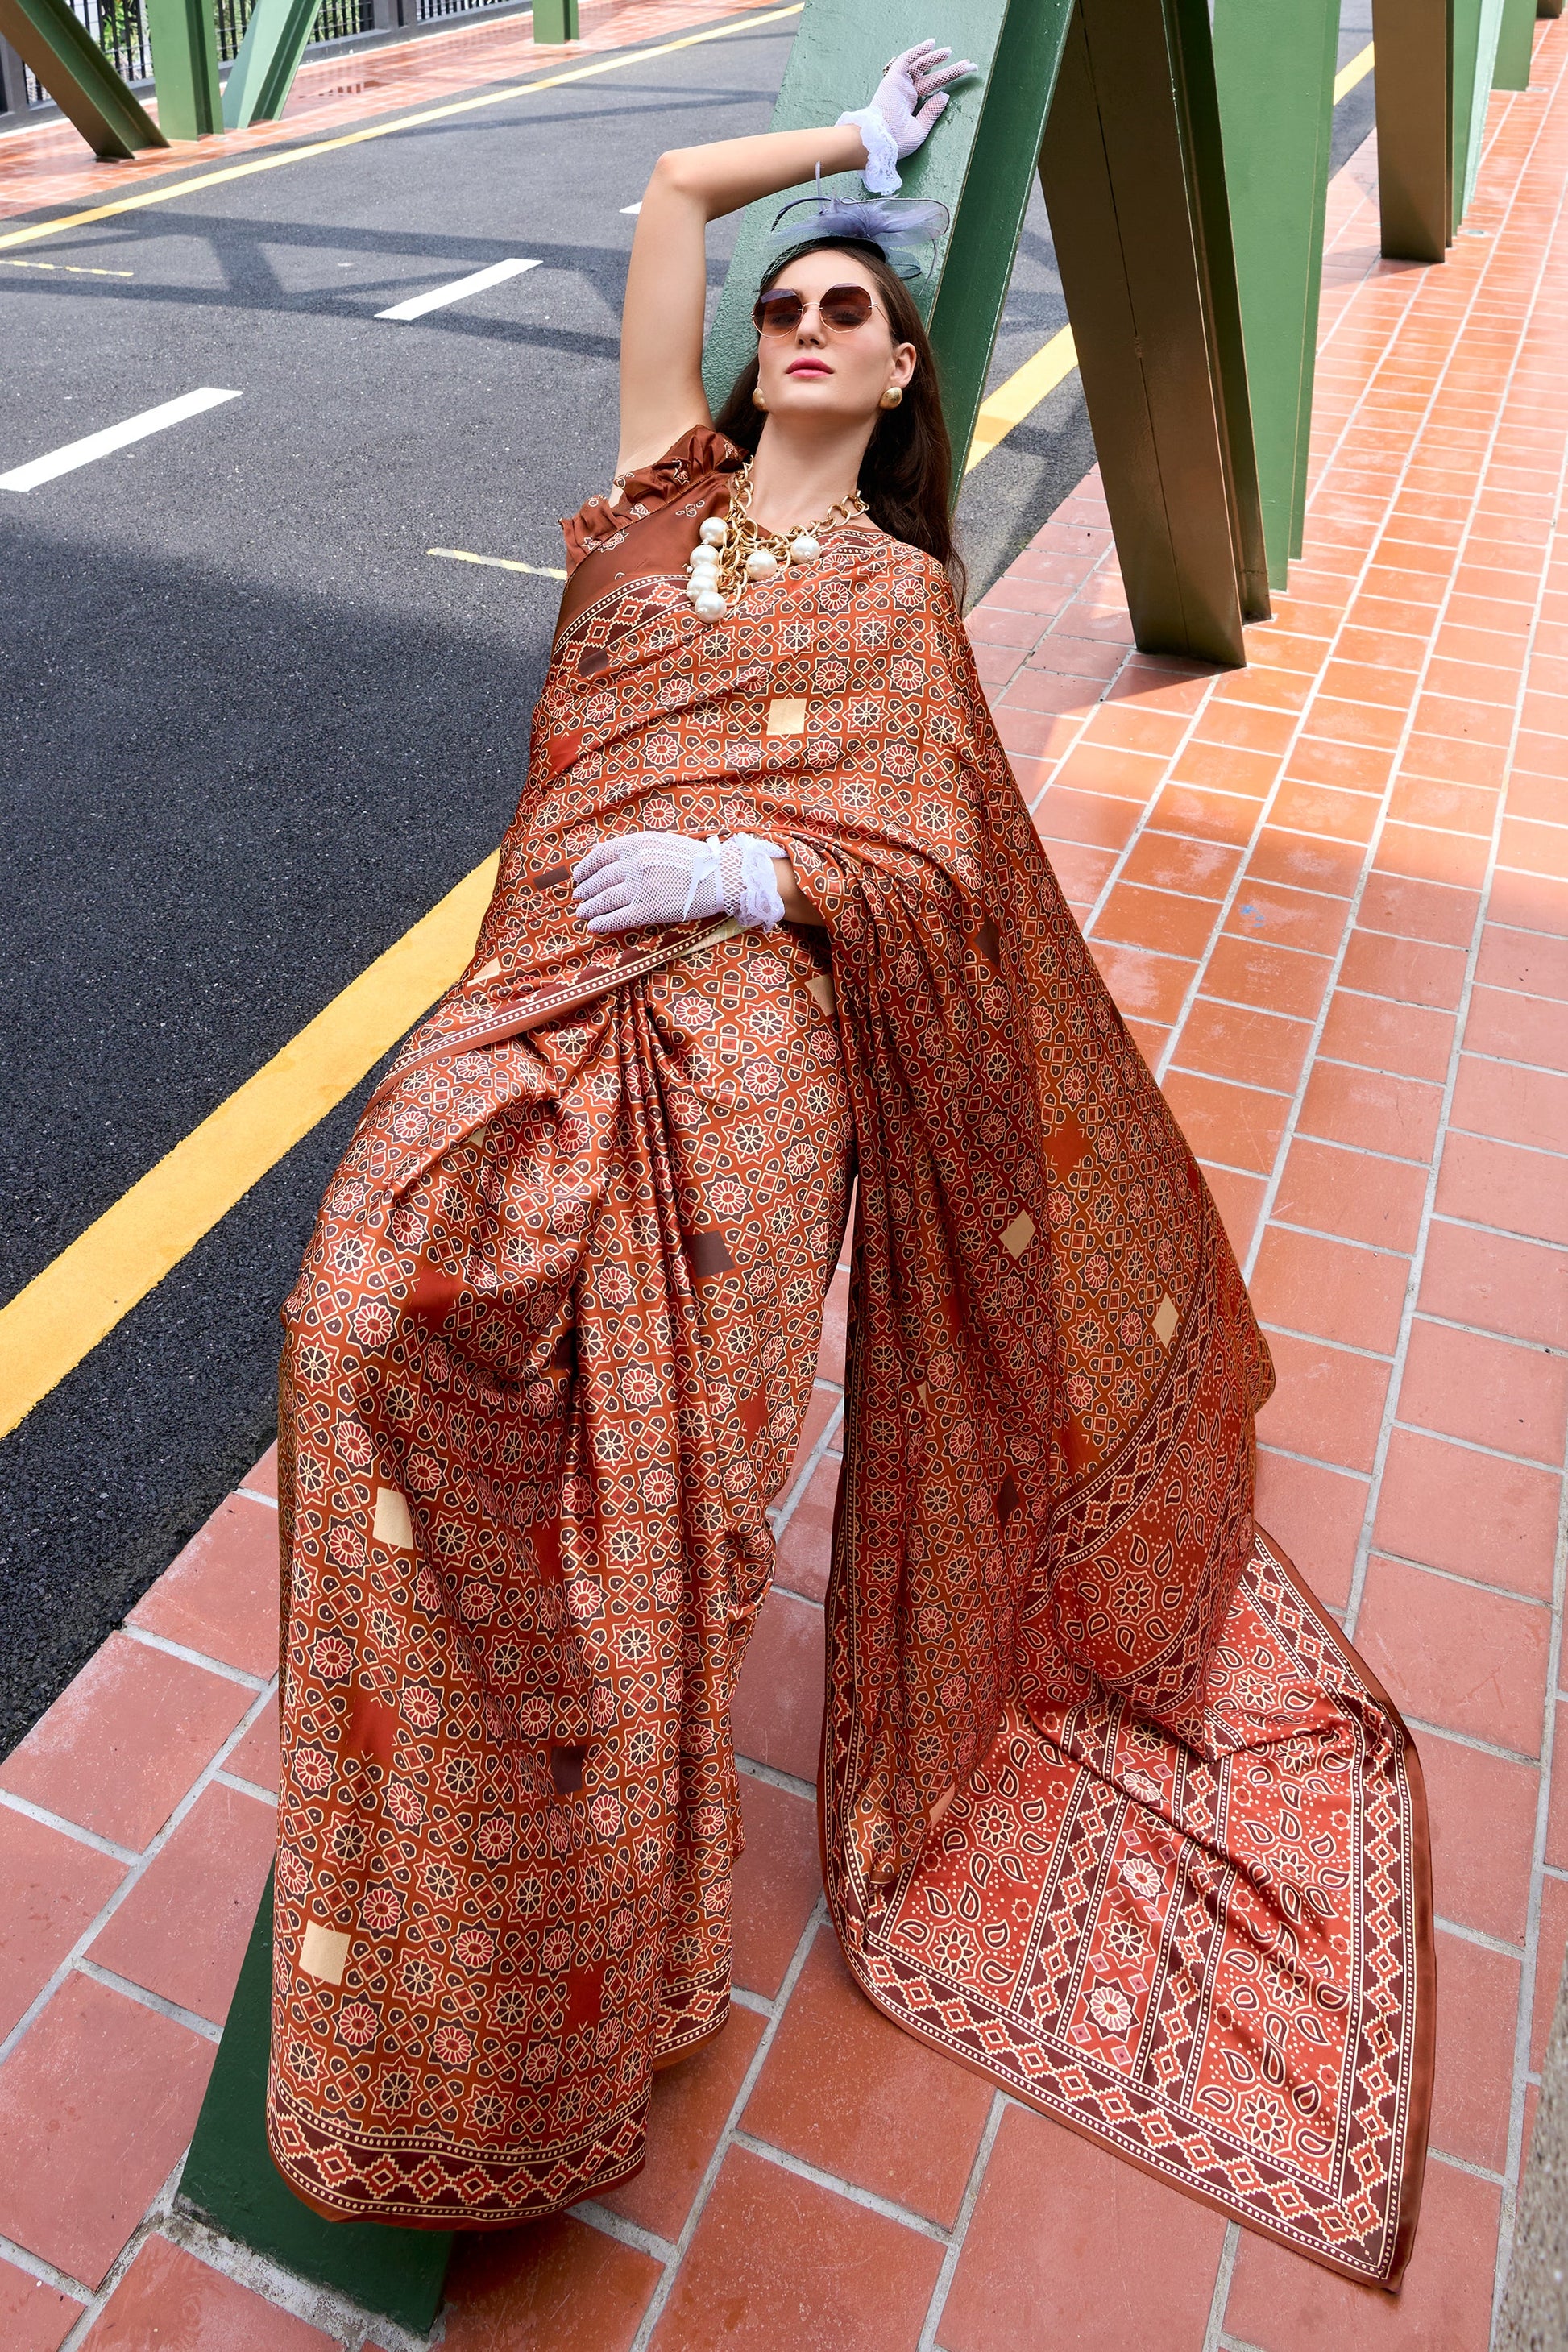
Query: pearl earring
point(757, 400)
point(893, 396)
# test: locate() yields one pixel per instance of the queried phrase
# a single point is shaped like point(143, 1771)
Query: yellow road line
point(501, 562)
point(167, 192)
point(80, 1297)
point(70, 269)
point(1021, 395)
point(1357, 70)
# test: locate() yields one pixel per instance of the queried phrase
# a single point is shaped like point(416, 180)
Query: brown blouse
point(663, 505)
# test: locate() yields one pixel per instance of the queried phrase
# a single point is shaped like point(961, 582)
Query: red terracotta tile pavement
point(1324, 900)
point(220, 1596)
point(777, 2260)
point(558, 2287)
point(54, 1888)
point(34, 2317)
point(1070, 2246)
point(170, 2301)
point(182, 1930)
point(120, 1748)
point(846, 2089)
point(97, 2102)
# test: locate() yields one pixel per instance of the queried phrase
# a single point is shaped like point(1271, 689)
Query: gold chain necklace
point(729, 554)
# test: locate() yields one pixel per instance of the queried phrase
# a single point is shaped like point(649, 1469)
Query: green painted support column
point(1273, 66)
point(1134, 180)
point(231, 2182)
point(262, 74)
point(555, 20)
point(72, 67)
point(1477, 24)
point(1413, 40)
point(1516, 42)
point(184, 65)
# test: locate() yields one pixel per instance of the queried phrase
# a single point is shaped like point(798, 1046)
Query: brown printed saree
point(1111, 1811)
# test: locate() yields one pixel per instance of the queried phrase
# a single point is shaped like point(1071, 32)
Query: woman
point(1109, 1811)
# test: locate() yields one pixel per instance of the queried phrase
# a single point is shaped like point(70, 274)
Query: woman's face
point(835, 374)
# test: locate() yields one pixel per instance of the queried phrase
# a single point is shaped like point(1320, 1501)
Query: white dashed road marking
point(113, 436)
point(458, 291)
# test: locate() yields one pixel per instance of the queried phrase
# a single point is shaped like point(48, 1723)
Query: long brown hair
point(907, 472)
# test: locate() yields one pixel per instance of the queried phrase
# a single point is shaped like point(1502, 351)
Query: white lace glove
point(897, 122)
point(640, 879)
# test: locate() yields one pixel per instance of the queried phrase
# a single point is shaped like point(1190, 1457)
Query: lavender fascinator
point(904, 229)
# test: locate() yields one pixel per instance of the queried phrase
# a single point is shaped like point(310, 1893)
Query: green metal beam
point(230, 2180)
point(1132, 172)
point(1516, 42)
point(555, 20)
point(263, 72)
point(72, 67)
point(1477, 24)
point(1273, 66)
point(184, 64)
point(1413, 94)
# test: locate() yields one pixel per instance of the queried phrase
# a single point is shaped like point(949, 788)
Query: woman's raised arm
point(667, 285)
point(661, 324)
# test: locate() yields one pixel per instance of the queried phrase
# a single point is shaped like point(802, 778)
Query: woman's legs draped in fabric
point(536, 1399)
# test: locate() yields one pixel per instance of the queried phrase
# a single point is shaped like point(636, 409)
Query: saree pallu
point(1110, 1809)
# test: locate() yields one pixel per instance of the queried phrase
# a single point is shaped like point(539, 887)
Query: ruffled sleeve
point(597, 524)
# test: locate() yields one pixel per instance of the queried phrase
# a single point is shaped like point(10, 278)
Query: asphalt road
point(252, 731)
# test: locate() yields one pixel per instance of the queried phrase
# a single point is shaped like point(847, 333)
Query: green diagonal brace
point(1477, 24)
point(263, 72)
point(72, 67)
point(1515, 43)
point(1274, 63)
point(184, 66)
point(231, 2182)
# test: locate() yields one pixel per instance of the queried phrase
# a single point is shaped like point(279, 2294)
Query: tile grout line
point(757, 1771)
point(928, 2335)
point(1230, 2247)
point(666, 2284)
point(148, 1640)
point(1469, 1739)
point(871, 2198)
point(1524, 2023)
point(796, 1494)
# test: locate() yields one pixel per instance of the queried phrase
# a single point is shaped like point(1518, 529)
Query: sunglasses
point(780, 310)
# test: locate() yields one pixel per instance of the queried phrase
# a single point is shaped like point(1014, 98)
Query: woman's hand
point(903, 110)
point(638, 880)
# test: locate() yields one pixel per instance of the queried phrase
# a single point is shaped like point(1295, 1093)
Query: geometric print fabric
point(1111, 1811)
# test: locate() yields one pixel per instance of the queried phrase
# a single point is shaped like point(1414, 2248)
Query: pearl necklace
point(728, 554)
